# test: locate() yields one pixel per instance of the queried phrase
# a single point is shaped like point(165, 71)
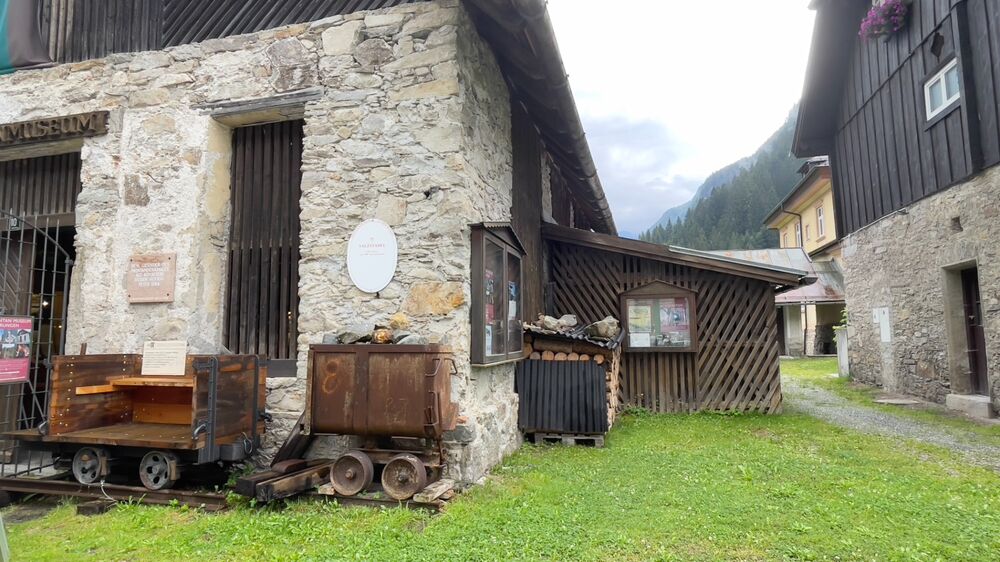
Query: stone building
point(909, 120)
point(213, 133)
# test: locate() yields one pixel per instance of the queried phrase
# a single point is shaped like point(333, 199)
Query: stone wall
point(901, 263)
point(412, 127)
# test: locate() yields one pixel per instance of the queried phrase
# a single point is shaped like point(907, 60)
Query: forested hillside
point(730, 218)
point(716, 180)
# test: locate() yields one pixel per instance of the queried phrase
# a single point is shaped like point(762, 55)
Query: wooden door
point(974, 330)
point(262, 299)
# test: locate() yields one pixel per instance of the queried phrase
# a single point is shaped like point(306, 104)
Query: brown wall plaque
point(151, 278)
point(55, 129)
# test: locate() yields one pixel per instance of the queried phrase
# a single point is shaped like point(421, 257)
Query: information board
point(15, 349)
point(164, 358)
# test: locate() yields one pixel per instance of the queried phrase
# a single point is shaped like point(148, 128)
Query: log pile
point(554, 348)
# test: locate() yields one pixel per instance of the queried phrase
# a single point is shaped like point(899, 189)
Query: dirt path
point(831, 408)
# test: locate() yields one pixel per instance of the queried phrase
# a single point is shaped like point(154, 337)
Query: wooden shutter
point(41, 187)
point(262, 298)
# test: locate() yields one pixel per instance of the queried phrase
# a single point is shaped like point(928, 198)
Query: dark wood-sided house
point(911, 121)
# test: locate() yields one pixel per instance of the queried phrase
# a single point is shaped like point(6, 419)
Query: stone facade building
point(244, 142)
point(910, 123)
point(423, 115)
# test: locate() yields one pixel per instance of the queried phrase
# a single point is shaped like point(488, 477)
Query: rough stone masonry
point(900, 263)
point(412, 127)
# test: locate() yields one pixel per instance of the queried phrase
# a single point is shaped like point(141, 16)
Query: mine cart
point(103, 411)
point(396, 399)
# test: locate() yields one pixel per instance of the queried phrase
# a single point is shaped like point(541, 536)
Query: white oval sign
point(372, 255)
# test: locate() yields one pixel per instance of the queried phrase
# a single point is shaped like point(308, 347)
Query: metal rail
point(209, 501)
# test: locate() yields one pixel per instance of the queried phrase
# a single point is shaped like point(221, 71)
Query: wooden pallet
point(568, 439)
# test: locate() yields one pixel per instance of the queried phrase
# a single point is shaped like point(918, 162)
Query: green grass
point(817, 373)
point(702, 487)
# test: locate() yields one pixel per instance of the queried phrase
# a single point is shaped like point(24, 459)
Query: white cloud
point(718, 77)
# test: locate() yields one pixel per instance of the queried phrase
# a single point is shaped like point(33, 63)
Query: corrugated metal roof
point(577, 334)
point(829, 285)
point(735, 259)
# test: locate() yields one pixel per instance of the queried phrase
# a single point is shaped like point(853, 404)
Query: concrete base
point(974, 405)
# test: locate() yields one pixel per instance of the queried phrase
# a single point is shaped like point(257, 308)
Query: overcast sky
point(672, 90)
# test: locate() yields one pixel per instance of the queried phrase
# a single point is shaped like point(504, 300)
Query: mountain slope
point(717, 179)
point(730, 216)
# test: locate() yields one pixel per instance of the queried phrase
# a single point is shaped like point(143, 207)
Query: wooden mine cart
point(102, 410)
point(396, 398)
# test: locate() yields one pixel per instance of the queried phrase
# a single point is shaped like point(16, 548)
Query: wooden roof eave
point(523, 39)
point(834, 37)
point(780, 277)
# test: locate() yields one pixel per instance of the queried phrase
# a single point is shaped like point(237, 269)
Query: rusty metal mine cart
point(102, 412)
point(396, 399)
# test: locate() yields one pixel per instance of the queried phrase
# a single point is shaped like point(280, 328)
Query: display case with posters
point(660, 317)
point(497, 299)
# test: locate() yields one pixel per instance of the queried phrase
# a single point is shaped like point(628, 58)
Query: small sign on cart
point(164, 358)
point(15, 349)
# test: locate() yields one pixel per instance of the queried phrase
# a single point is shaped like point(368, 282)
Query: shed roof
point(524, 43)
point(785, 277)
point(829, 285)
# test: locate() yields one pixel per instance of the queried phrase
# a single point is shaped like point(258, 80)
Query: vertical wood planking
point(79, 30)
point(45, 186)
point(885, 153)
point(190, 21)
point(526, 208)
point(262, 292)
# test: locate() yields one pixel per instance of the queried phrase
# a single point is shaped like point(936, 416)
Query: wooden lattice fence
point(736, 367)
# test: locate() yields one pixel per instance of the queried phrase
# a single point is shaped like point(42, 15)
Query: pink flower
point(884, 19)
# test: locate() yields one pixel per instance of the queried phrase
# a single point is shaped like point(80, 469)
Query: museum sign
point(54, 129)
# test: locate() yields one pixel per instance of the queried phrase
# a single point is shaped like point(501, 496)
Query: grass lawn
point(704, 487)
point(816, 371)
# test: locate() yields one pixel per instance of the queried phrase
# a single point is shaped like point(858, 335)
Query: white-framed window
point(798, 235)
point(942, 90)
point(784, 240)
point(820, 221)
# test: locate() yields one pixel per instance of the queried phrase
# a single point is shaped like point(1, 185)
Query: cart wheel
point(404, 476)
point(90, 464)
point(158, 470)
point(352, 473)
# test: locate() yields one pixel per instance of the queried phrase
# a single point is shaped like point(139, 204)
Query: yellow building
point(805, 219)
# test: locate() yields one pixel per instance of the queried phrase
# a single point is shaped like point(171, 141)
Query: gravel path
point(831, 408)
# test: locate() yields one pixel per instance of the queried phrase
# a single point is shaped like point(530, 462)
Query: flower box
point(885, 19)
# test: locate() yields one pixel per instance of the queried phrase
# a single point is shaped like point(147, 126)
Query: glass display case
point(497, 304)
point(660, 317)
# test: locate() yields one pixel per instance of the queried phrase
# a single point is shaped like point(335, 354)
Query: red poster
point(15, 349)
